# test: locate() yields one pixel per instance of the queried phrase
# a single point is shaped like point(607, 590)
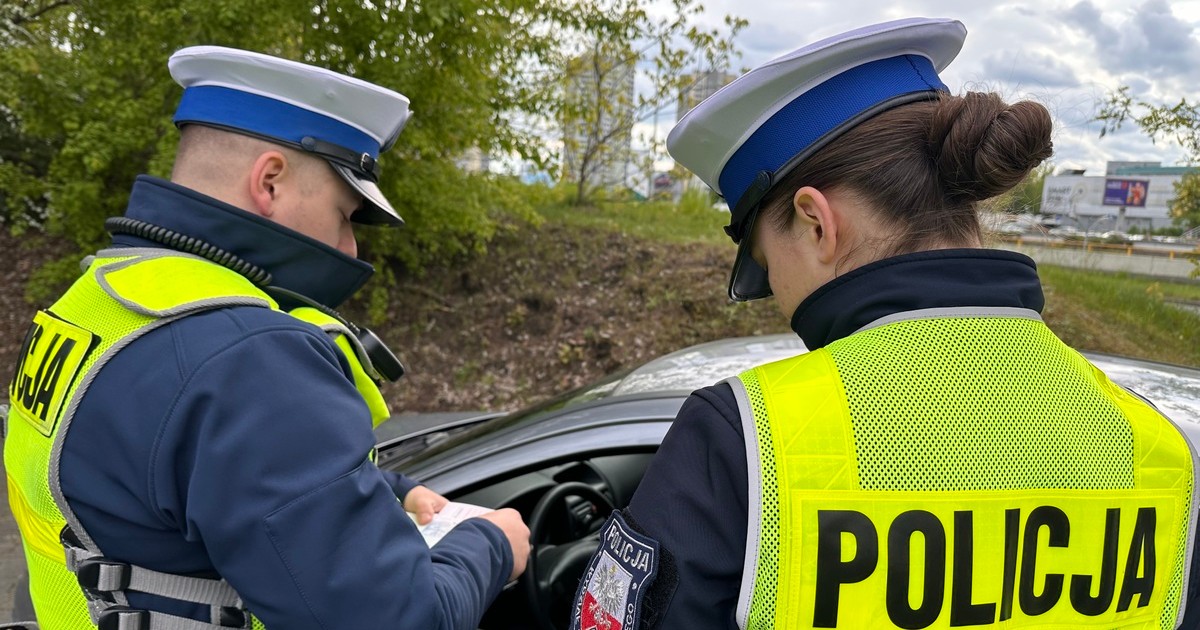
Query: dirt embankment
point(546, 309)
point(550, 308)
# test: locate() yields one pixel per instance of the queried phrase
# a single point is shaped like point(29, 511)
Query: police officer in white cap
point(938, 458)
point(190, 438)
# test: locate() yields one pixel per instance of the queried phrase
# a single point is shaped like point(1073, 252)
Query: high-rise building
point(699, 87)
point(475, 160)
point(598, 130)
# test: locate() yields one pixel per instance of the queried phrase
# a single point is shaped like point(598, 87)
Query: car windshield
point(429, 445)
point(681, 371)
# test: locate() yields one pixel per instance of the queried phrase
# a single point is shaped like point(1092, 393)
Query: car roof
point(1174, 389)
point(619, 409)
point(707, 363)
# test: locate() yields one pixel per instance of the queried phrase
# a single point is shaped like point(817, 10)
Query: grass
point(693, 220)
point(1122, 314)
point(1090, 310)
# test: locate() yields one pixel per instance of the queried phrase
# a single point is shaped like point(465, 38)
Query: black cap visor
point(748, 280)
point(376, 210)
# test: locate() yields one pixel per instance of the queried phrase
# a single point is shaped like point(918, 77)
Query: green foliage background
point(1179, 123)
point(86, 100)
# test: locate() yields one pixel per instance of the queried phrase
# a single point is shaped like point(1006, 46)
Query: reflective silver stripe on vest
point(1192, 516)
point(1195, 508)
point(190, 307)
point(753, 500)
point(956, 312)
point(333, 329)
point(209, 592)
point(55, 463)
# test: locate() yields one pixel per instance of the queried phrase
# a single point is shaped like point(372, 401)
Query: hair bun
point(983, 147)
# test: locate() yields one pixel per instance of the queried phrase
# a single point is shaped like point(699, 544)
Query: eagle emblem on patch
point(610, 593)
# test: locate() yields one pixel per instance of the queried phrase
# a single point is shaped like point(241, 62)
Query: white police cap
point(344, 120)
point(744, 138)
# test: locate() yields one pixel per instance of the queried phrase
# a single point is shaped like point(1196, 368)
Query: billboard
point(1125, 192)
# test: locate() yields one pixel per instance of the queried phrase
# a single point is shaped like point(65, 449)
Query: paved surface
point(12, 560)
point(1112, 259)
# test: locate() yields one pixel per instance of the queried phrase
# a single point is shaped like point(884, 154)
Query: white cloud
point(1032, 70)
point(1151, 41)
point(1066, 54)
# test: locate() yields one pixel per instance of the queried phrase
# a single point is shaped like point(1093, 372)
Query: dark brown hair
point(924, 166)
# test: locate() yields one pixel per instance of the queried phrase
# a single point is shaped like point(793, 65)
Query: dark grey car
point(566, 462)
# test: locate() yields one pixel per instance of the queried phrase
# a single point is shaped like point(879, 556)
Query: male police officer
point(939, 458)
point(204, 456)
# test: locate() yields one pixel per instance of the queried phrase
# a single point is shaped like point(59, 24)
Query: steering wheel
point(549, 572)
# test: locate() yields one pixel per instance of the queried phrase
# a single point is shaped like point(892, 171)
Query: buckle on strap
point(229, 617)
point(73, 549)
point(123, 618)
point(101, 575)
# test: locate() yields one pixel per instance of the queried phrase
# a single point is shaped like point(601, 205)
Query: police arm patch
point(615, 582)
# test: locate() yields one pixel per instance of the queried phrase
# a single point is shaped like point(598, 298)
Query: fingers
point(424, 503)
point(510, 522)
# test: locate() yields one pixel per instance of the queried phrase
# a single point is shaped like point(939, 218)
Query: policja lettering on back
point(50, 356)
point(1001, 564)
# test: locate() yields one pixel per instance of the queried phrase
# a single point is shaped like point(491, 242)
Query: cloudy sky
point(1068, 55)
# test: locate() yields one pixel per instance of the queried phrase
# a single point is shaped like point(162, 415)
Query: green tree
point(1026, 197)
point(85, 94)
point(24, 162)
point(1185, 206)
point(1179, 123)
point(611, 48)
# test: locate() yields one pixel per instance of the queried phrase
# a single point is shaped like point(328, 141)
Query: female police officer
point(938, 458)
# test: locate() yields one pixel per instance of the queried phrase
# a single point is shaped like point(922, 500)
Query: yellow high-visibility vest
point(122, 295)
point(957, 468)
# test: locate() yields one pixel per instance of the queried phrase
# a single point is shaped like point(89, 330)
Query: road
point(1144, 259)
point(12, 560)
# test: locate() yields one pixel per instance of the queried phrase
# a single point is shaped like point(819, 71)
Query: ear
point(269, 168)
point(820, 222)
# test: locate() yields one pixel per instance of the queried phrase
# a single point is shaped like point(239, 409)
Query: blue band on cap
point(820, 110)
point(263, 116)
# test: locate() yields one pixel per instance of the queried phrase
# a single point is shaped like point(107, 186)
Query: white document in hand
point(444, 521)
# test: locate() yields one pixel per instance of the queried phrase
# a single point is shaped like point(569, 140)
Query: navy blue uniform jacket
point(698, 477)
point(234, 443)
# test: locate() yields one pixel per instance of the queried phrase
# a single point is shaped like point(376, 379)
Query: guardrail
point(1128, 249)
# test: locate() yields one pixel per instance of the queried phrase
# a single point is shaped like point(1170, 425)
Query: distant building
point(531, 174)
point(1129, 195)
point(700, 87)
point(475, 161)
point(602, 135)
